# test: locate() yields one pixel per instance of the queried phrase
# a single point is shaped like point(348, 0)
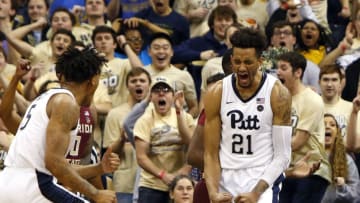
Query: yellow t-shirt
point(315, 55)
point(114, 77)
point(8, 73)
point(126, 172)
point(166, 150)
point(341, 110)
point(182, 79)
point(42, 53)
point(84, 32)
point(50, 76)
point(308, 115)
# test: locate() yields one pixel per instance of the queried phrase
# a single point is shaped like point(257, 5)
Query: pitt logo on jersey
point(239, 121)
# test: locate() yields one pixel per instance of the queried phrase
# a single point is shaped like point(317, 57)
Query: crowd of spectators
point(162, 54)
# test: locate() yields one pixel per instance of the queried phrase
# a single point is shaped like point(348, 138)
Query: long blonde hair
point(337, 158)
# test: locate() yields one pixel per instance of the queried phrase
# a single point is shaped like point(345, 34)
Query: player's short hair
point(76, 65)
point(249, 38)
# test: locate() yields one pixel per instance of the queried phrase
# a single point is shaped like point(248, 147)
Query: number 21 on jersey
point(242, 144)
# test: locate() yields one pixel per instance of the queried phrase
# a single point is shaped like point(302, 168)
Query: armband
point(282, 135)
point(281, 139)
point(282, 129)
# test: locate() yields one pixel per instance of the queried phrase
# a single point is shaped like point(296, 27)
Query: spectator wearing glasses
point(161, 136)
point(135, 40)
point(282, 35)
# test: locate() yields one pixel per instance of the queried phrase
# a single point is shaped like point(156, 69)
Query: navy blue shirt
point(190, 50)
point(174, 22)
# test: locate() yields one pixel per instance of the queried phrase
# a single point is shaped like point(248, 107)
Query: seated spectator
point(161, 14)
point(207, 46)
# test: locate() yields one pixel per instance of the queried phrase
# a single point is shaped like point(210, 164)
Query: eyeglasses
point(286, 33)
point(161, 89)
point(134, 40)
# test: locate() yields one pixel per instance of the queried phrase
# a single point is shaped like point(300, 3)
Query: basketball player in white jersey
point(247, 129)
point(36, 158)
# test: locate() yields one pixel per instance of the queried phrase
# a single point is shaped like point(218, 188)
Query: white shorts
point(244, 180)
point(29, 185)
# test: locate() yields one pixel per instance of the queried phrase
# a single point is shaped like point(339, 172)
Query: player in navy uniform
point(48, 132)
point(247, 129)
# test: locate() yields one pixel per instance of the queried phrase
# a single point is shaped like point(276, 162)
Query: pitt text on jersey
point(238, 120)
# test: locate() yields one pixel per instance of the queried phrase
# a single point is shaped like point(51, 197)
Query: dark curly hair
point(76, 65)
point(324, 38)
point(249, 38)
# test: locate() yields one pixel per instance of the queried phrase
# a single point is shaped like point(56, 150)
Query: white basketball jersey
point(246, 139)
point(28, 148)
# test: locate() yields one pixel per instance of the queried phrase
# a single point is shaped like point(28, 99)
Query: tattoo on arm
point(283, 105)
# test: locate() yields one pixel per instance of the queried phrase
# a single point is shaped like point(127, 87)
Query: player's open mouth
point(282, 44)
point(327, 134)
point(282, 80)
